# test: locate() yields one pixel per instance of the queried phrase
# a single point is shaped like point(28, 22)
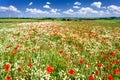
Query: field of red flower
point(86, 50)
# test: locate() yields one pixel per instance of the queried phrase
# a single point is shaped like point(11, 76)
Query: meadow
point(59, 50)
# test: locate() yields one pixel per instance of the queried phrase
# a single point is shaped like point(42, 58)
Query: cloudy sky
point(59, 8)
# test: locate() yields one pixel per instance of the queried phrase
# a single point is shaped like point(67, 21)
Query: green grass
point(109, 21)
point(5, 20)
point(6, 25)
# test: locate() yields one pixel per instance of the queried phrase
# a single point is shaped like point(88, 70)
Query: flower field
point(58, 50)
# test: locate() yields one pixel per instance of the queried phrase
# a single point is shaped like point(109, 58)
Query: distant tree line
point(65, 18)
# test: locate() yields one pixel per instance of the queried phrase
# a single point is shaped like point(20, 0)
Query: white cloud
point(48, 3)
point(97, 4)
point(54, 11)
point(2, 8)
point(76, 7)
point(36, 11)
point(102, 12)
point(104, 7)
point(70, 11)
point(77, 3)
point(10, 8)
point(46, 6)
point(87, 10)
point(33, 12)
point(30, 3)
point(114, 9)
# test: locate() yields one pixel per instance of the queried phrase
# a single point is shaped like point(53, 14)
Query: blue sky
point(59, 8)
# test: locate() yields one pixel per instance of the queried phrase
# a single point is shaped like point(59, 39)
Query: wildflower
point(8, 78)
point(71, 72)
point(97, 72)
point(108, 67)
point(102, 52)
point(55, 33)
point(8, 46)
point(27, 57)
point(105, 58)
point(19, 69)
point(90, 55)
point(7, 67)
point(64, 40)
point(113, 54)
point(61, 51)
point(14, 51)
point(99, 65)
point(49, 69)
point(116, 71)
point(68, 59)
point(117, 62)
point(109, 78)
point(17, 47)
point(82, 61)
point(88, 65)
point(30, 64)
point(104, 38)
point(118, 49)
point(113, 62)
point(91, 77)
point(66, 54)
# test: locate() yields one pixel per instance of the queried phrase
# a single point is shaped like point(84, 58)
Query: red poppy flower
point(49, 69)
point(113, 62)
point(109, 78)
point(8, 46)
point(71, 72)
point(99, 65)
point(105, 38)
point(66, 54)
point(118, 49)
point(19, 69)
point(91, 77)
point(14, 51)
point(27, 57)
point(82, 61)
point(68, 59)
point(30, 64)
point(8, 78)
point(117, 62)
point(116, 71)
point(102, 52)
point(61, 51)
point(17, 47)
point(64, 40)
point(90, 55)
point(108, 67)
point(88, 65)
point(105, 58)
point(97, 72)
point(7, 67)
point(113, 54)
